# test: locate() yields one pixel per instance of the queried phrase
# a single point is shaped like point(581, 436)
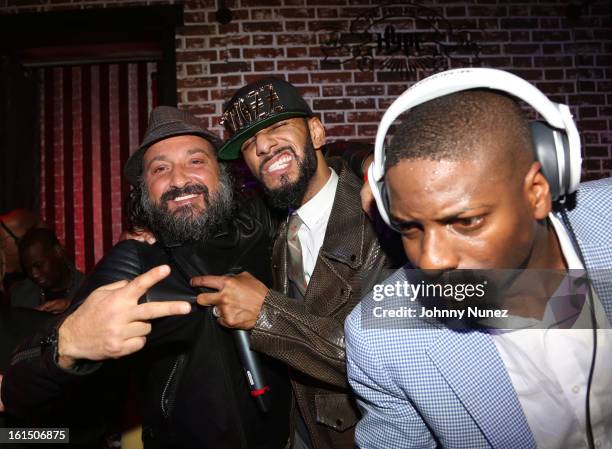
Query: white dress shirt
point(549, 370)
point(315, 215)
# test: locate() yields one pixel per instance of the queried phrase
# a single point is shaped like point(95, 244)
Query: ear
point(317, 132)
point(537, 191)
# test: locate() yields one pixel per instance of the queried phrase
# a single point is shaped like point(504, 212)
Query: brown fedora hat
point(165, 122)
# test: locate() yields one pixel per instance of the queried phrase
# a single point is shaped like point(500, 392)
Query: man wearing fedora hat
point(326, 256)
point(195, 394)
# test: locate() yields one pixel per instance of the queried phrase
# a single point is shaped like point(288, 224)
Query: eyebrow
point(191, 151)
point(443, 219)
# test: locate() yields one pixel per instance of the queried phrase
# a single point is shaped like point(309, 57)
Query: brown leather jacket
point(309, 335)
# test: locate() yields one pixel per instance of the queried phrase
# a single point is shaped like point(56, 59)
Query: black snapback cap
point(257, 106)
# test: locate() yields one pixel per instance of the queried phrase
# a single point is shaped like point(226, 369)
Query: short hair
point(455, 126)
point(43, 236)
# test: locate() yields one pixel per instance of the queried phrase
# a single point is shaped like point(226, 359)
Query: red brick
point(330, 77)
point(295, 26)
point(363, 117)
point(193, 56)
point(327, 13)
point(333, 117)
point(365, 90)
point(328, 25)
point(263, 66)
point(297, 78)
point(289, 39)
point(332, 104)
point(262, 40)
point(262, 27)
point(232, 80)
point(297, 64)
point(203, 81)
point(229, 67)
point(297, 13)
point(226, 41)
point(297, 52)
point(196, 96)
point(332, 91)
point(196, 30)
point(367, 130)
point(340, 130)
point(263, 52)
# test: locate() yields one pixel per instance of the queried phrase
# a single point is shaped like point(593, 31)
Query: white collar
point(567, 248)
point(318, 207)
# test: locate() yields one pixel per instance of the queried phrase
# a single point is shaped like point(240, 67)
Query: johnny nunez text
point(434, 312)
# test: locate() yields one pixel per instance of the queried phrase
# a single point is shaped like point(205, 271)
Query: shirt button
point(576, 389)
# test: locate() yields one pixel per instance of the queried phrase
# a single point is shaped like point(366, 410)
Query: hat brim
point(232, 148)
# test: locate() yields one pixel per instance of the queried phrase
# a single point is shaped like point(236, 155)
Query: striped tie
point(295, 267)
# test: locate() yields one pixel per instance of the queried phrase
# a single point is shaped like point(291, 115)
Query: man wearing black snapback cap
point(194, 392)
point(325, 258)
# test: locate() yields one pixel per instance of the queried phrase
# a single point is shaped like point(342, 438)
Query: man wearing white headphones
point(460, 182)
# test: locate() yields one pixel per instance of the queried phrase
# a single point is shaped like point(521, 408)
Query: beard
point(189, 223)
point(290, 194)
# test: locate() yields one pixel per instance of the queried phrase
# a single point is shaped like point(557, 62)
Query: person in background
point(13, 225)
point(45, 263)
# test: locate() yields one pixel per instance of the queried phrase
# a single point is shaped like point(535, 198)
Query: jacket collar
point(345, 233)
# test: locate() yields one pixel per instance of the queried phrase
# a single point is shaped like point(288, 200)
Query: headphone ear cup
point(545, 149)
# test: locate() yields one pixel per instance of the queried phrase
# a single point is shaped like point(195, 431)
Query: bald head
point(474, 125)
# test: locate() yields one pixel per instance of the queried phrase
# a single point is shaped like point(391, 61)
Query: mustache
point(189, 189)
point(272, 156)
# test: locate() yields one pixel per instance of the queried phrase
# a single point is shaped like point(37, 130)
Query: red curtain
point(93, 116)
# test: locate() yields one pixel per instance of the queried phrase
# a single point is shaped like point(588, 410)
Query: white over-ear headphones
point(556, 141)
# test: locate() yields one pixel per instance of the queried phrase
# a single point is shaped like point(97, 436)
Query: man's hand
point(238, 300)
point(110, 323)
point(1, 403)
point(54, 306)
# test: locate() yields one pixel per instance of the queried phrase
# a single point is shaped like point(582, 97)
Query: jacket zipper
point(25, 355)
point(169, 392)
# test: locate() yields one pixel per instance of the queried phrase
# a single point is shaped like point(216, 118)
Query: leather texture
point(195, 393)
point(308, 335)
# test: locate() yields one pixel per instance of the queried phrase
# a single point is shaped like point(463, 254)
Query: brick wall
point(569, 59)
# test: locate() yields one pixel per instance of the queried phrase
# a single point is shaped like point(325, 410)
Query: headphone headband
point(558, 116)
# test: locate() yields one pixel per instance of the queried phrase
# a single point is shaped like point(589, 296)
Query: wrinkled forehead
point(179, 146)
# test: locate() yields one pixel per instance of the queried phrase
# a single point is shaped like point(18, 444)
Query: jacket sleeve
point(388, 417)
point(34, 381)
point(311, 344)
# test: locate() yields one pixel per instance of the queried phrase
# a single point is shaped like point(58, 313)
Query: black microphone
point(252, 370)
point(249, 359)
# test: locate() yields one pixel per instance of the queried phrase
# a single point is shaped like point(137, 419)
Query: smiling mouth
point(186, 199)
point(279, 163)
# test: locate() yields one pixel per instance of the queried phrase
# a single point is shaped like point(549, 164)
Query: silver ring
point(215, 312)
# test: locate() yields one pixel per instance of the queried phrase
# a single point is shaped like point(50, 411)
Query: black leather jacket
point(194, 392)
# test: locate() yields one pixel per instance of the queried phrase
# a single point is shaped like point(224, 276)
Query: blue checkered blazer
point(429, 387)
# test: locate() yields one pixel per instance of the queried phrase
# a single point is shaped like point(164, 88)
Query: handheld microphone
point(252, 370)
point(249, 359)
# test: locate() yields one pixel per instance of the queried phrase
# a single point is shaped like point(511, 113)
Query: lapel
point(472, 367)
point(342, 252)
point(590, 233)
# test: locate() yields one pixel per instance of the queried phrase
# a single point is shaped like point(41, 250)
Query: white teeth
point(280, 164)
point(183, 198)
